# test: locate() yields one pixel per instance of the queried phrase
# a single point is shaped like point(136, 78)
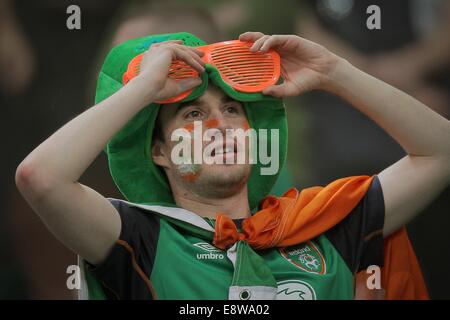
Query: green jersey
point(155, 259)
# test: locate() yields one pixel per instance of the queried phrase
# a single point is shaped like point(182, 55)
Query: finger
point(250, 36)
point(273, 90)
point(188, 50)
point(196, 52)
point(189, 59)
point(166, 42)
point(187, 84)
point(179, 44)
point(273, 42)
point(183, 53)
point(281, 90)
point(258, 43)
point(193, 54)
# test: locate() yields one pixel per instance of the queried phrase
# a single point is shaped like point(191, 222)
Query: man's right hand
point(48, 177)
point(155, 65)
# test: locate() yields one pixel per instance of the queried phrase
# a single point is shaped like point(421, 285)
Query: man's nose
point(217, 120)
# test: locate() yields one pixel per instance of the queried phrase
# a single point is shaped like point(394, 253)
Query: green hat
point(129, 151)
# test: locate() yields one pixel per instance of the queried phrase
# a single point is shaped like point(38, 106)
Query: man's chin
point(225, 174)
point(215, 180)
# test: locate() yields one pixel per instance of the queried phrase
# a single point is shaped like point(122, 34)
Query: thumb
point(285, 89)
point(276, 90)
point(189, 83)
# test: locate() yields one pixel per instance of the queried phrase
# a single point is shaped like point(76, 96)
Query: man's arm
point(412, 182)
point(78, 216)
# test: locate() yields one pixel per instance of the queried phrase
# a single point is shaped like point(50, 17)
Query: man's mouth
point(225, 150)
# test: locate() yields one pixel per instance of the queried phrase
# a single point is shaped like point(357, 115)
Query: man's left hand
point(305, 65)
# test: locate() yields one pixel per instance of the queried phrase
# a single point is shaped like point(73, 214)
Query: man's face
point(217, 113)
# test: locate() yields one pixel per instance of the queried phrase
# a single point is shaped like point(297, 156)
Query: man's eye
point(195, 114)
point(232, 109)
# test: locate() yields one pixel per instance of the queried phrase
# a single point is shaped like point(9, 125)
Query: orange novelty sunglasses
point(240, 68)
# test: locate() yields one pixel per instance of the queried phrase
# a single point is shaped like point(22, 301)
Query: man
point(199, 233)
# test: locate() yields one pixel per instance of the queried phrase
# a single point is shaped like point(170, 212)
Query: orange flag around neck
point(296, 217)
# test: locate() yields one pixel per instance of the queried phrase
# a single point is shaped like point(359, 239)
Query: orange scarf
point(297, 217)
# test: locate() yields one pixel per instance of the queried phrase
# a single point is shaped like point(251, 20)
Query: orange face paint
point(189, 172)
point(189, 127)
point(211, 123)
point(245, 125)
point(208, 124)
point(190, 177)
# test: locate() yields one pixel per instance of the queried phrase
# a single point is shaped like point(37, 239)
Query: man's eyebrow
point(200, 102)
point(226, 98)
point(183, 105)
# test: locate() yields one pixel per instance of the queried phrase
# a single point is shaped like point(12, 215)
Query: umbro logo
point(212, 253)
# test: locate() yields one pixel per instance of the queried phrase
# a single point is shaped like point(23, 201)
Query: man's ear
point(158, 154)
